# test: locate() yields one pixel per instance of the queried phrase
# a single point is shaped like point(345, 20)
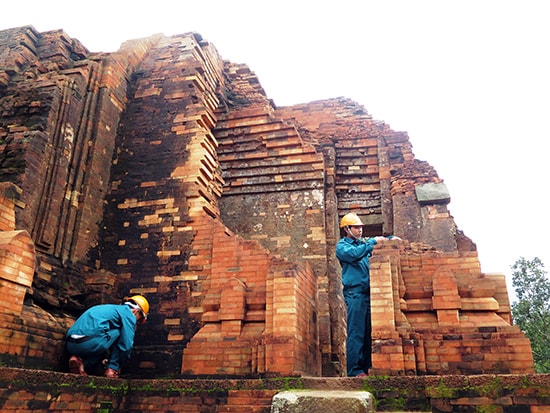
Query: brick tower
point(164, 170)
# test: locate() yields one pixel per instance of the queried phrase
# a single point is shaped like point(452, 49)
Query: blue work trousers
point(96, 349)
point(359, 340)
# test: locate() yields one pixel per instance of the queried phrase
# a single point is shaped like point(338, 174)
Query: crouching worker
point(104, 336)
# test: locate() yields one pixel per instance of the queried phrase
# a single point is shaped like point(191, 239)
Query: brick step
point(263, 157)
point(251, 125)
point(265, 187)
point(243, 409)
point(263, 143)
point(272, 130)
point(292, 163)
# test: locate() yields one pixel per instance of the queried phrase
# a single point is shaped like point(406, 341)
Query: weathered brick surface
point(42, 391)
point(8, 200)
point(449, 326)
point(164, 170)
point(259, 314)
point(17, 261)
point(33, 339)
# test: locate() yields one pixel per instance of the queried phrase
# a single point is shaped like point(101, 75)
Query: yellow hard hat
point(350, 218)
point(142, 302)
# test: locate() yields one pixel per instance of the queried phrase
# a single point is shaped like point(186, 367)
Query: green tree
point(532, 310)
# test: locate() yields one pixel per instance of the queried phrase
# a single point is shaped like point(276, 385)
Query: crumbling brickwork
point(164, 170)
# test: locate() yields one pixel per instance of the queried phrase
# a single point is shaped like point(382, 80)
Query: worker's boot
point(111, 373)
point(76, 366)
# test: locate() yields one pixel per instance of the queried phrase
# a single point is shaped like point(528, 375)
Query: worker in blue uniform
point(354, 252)
point(104, 335)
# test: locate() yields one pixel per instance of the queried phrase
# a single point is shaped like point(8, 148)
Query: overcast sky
point(469, 81)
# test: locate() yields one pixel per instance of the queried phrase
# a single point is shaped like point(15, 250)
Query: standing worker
point(354, 252)
point(104, 335)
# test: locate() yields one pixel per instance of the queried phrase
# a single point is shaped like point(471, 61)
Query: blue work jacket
point(354, 258)
point(108, 320)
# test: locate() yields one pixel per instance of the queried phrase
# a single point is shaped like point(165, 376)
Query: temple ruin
point(165, 170)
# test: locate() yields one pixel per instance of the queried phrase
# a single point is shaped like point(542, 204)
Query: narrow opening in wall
point(372, 230)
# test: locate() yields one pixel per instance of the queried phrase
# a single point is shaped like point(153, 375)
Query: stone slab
point(330, 401)
point(436, 193)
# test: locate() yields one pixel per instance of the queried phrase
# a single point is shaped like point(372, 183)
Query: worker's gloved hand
point(111, 373)
point(389, 237)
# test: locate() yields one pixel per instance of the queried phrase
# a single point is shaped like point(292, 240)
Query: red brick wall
point(17, 260)
point(259, 314)
point(29, 336)
point(436, 313)
point(274, 193)
point(10, 197)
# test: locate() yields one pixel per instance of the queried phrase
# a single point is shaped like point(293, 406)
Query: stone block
point(335, 401)
point(432, 193)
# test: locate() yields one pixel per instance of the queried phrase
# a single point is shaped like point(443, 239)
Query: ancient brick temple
point(164, 170)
